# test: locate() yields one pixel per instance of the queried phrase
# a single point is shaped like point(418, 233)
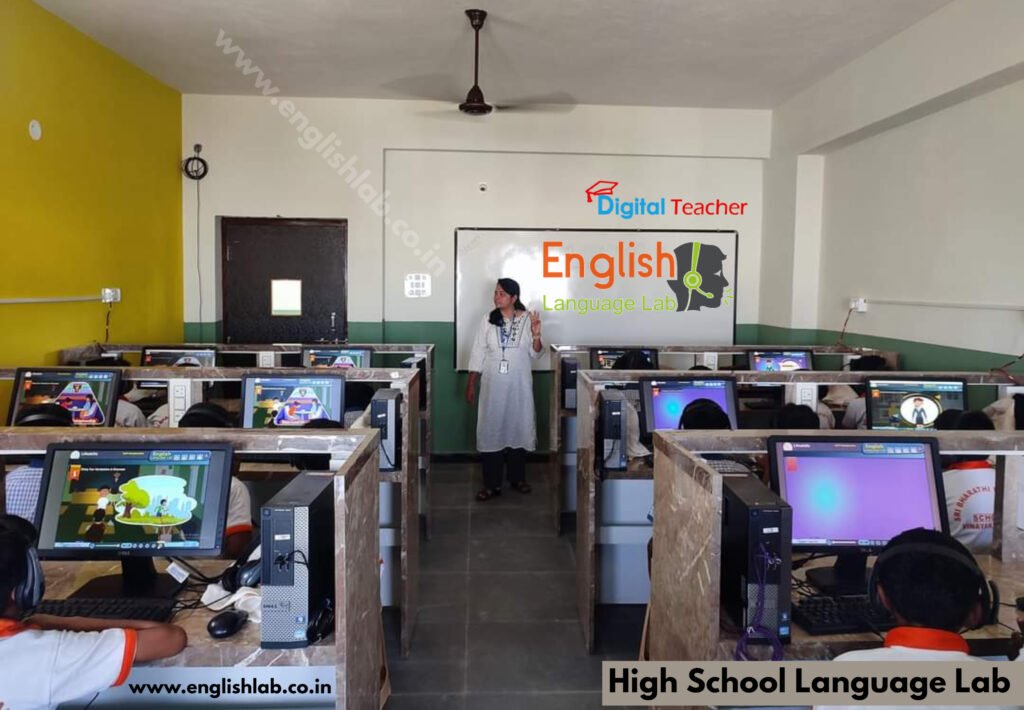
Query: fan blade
point(431, 87)
point(558, 102)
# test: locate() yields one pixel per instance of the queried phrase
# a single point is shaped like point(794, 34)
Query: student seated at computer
point(161, 416)
point(22, 484)
point(48, 660)
point(934, 589)
point(633, 360)
point(1007, 413)
point(796, 416)
point(856, 416)
point(706, 414)
point(127, 413)
point(239, 529)
point(970, 485)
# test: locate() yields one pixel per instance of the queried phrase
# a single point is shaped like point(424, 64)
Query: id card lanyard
point(505, 338)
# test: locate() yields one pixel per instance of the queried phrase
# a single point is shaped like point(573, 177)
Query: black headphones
point(243, 572)
point(207, 414)
point(988, 593)
point(29, 592)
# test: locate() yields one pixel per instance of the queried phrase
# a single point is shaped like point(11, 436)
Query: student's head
point(126, 385)
point(946, 421)
point(970, 420)
point(796, 416)
point(44, 415)
point(700, 368)
point(867, 363)
point(704, 414)
point(17, 536)
point(208, 416)
point(633, 360)
point(98, 515)
point(357, 397)
point(315, 462)
point(930, 582)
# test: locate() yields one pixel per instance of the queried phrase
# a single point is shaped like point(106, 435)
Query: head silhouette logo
point(703, 283)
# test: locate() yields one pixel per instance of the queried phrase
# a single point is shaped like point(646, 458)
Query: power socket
point(110, 295)
point(859, 304)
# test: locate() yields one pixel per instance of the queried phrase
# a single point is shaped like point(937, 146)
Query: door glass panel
point(286, 297)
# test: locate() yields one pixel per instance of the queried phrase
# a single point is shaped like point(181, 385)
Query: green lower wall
point(455, 421)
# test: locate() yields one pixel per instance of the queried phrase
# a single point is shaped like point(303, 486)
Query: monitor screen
point(109, 500)
point(857, 493)
point(178, 357)
point(780, 360)
point(89, 394)
point(343, 358)
point(662, 401)
point(911, 404)
point(291, 401)
point(604, 358)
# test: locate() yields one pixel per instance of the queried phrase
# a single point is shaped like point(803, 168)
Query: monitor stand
point(138, 578)
point(847, 577)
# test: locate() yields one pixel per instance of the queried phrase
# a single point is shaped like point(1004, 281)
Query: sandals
point(523, 487)
point(487, 493)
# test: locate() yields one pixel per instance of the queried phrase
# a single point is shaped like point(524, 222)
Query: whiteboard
point(602, 287)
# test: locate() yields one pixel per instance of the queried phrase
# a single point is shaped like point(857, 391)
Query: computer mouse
point(227, 623)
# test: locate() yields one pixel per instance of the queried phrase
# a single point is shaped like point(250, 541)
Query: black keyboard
point(820, 615)
point(142, 608)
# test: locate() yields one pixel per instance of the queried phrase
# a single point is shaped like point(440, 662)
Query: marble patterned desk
point(685, 582)
point(354, 650)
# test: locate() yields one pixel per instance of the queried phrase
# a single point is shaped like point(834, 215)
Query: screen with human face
point(911, 404)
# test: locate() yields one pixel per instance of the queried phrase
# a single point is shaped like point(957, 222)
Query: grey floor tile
point(450, 521)
point(444, 553)
point(436, 641)
point(533, 701)
point(443, 598)
point(430, 701)
point(521, 596)
point(445, 677)
point(510, 522)
point(520, 554)
point(450, 495)
point(530, 656)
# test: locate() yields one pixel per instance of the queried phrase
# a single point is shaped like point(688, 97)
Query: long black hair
point(511, 287)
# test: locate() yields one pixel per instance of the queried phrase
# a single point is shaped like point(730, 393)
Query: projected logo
point(703, 285)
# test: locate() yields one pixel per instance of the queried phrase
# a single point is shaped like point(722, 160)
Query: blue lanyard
point(505, 337)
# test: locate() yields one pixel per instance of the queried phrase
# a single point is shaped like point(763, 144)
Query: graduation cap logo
point(601, 187)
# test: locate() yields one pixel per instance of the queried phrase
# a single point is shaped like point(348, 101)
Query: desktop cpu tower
point(384, 415)
point(569, 368)
point(297, 538)
point(612, 431)
point(757, 534)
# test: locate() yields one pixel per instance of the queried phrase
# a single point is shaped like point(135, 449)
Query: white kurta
point(506, 417)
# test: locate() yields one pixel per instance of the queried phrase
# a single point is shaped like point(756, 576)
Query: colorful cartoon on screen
point(147, 503)
point(285, 405)
point(80, 398)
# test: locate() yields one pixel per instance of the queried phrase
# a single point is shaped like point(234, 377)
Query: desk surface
point(242, 649)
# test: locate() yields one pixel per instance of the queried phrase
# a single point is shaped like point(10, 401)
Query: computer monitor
point(604, 358)
point(662, 400)
point(292, 401)
point(911, 405)
point(343, 358)
point(851, 495)
point(133, 502)
point(780, 360)
point(178, 357)
point(90, 394)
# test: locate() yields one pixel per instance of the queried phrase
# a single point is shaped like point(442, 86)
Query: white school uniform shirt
point(506, 417)
point(129, 415)
point(913, 644)
point(41, 669)
point(634, 449)
point(970, 501)
point(856, 416)
point(161, 417)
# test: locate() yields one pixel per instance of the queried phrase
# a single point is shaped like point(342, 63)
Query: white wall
point(259, 167)
point(931, 211)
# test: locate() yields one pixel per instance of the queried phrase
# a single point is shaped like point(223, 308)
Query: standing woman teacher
point(506, 428)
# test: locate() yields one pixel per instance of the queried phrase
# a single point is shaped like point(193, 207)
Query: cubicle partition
point(563, 415)
point(272, 355)
point(612, 527)
point(352, 654)
point(400, 490)
point(684, 613)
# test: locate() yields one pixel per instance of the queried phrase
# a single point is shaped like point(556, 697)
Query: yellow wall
point(96, 202)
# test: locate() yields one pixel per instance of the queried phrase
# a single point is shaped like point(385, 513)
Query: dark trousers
point(514, 460)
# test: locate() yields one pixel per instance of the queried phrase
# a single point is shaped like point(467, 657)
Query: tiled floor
point(497, 626)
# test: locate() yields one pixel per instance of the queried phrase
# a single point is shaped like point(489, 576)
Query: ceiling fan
point(476, 105)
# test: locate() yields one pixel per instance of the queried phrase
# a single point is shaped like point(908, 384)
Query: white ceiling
point(706, 53)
